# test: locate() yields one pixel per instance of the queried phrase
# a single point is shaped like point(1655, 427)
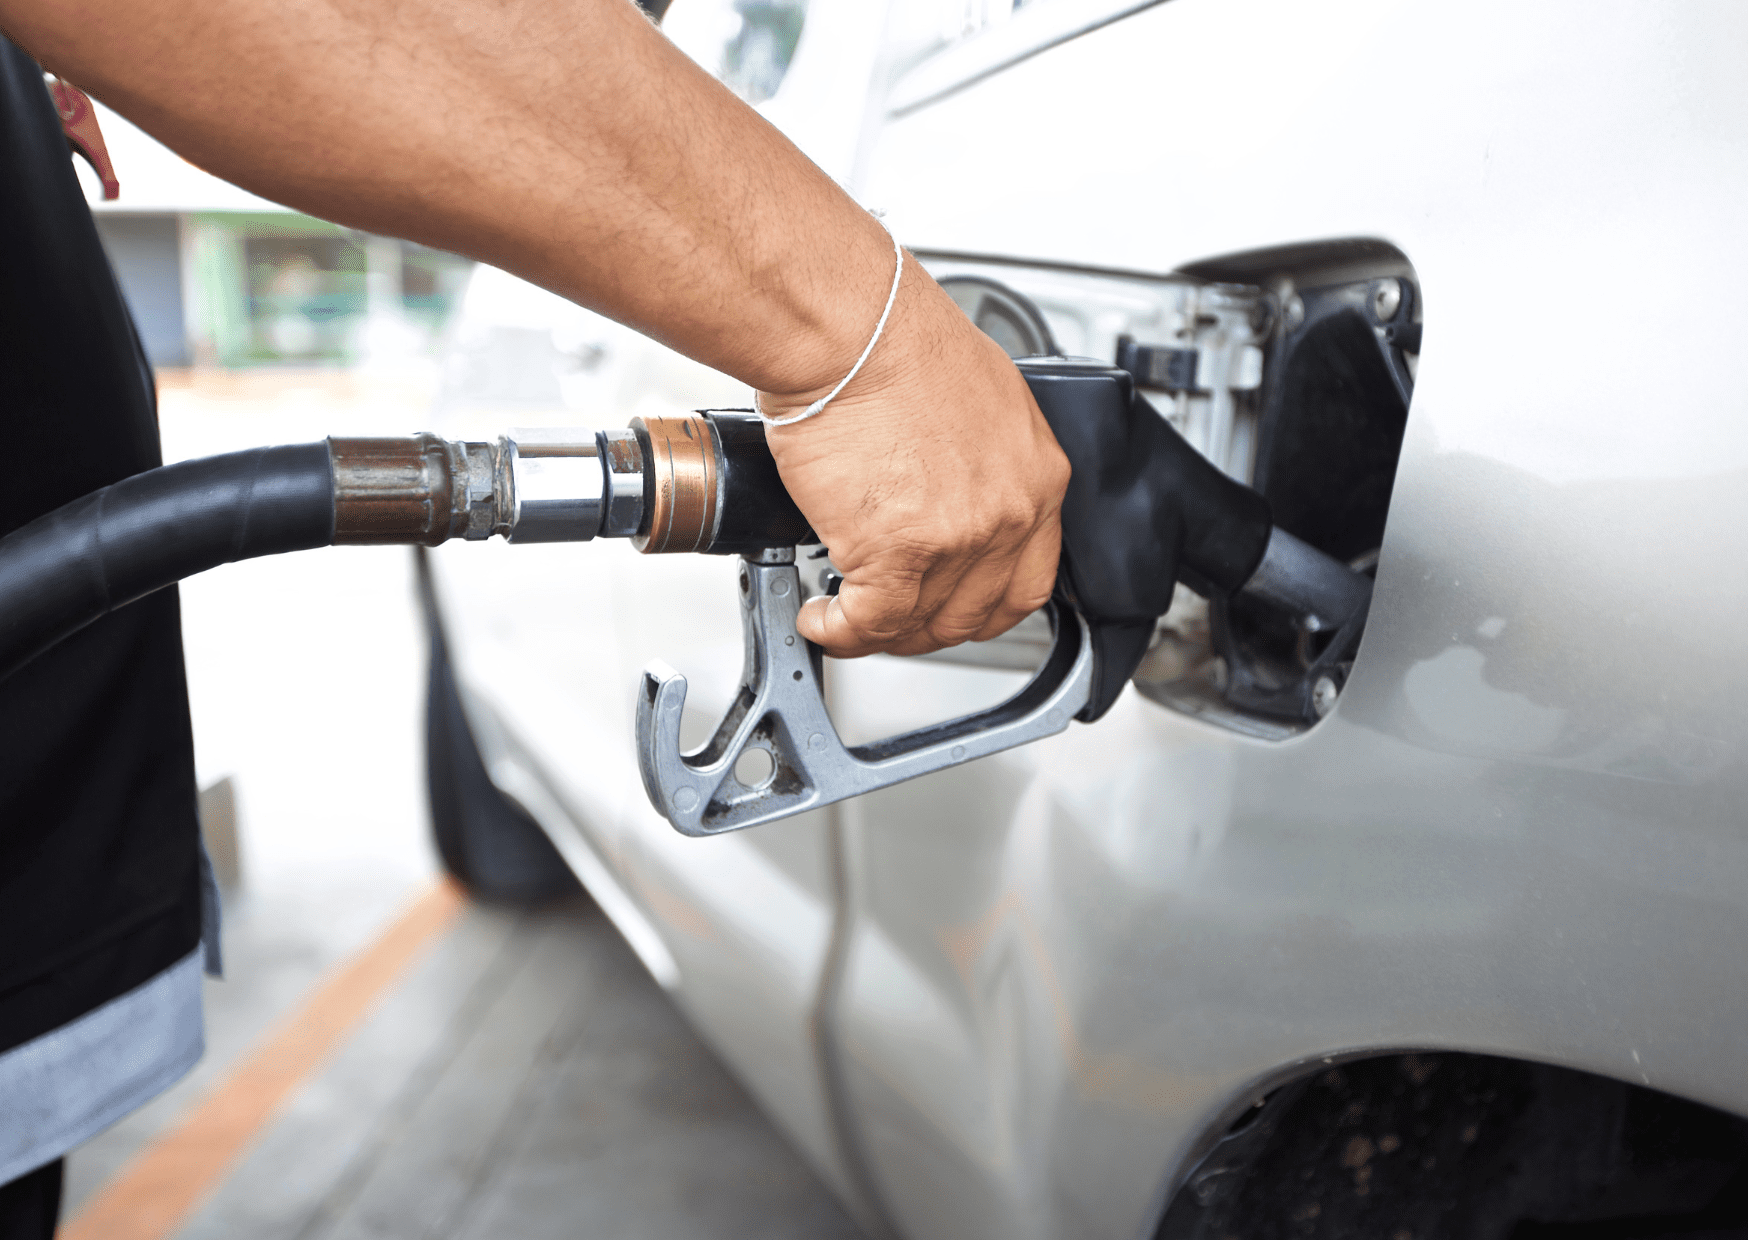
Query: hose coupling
point(702, 482)
point(530, 486)
point(569, 486)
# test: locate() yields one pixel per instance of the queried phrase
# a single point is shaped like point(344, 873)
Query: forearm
point(569, 142)
point(564, 140)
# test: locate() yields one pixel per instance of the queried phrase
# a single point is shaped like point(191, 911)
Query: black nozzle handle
point(1143, 510)
point(755, 511)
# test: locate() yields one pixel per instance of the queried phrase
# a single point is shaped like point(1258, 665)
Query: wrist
point(844, 297)
point(818, 405)
point(852, 375)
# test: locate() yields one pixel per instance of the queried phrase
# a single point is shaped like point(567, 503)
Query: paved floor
point(527, 1079)
point(524, 1078)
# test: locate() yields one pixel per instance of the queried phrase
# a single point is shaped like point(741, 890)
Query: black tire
point(487, 842)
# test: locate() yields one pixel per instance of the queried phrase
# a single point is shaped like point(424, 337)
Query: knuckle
point(1014, 519)
point(952, 630)
point(1058, 472)
point(1028, 601)
point(875, 633)
point(877, 626)
point(915, 547)
point(918, 643)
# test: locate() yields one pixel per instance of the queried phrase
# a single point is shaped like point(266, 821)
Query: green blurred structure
point(273, 288)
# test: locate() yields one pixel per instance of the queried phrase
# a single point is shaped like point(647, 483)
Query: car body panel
point(1522, 832)
point(1015, 998)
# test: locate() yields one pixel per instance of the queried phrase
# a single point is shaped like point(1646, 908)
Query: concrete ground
point(525, 1079)
point(522, 1077)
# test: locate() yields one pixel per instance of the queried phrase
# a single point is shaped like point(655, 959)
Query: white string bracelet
point(823, 401)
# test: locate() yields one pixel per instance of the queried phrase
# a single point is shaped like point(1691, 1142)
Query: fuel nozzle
point(1143, 511)
point(704, 482)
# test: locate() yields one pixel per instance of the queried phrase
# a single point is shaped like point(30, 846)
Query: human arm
point(569, 142)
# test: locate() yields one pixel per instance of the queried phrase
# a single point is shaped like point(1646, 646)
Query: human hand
point(933, 479)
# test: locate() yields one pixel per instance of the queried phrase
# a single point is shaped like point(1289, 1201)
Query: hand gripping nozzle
point(780, 709)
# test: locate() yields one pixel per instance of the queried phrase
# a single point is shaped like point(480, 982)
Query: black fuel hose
point(106, 549)
point(113, 546)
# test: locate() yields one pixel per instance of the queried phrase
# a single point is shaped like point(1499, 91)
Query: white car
point(1448, 938)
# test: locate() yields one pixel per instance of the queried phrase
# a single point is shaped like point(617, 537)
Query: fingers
point(936, 483)
point(1033, 580)
point(971, 603)
point(997, 593)
point(879, 606)
point(871, 624)
point(972, 596)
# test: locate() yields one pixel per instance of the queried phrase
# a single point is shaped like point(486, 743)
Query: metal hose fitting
point(704, 482)
point(530, 486)
point(416, 489)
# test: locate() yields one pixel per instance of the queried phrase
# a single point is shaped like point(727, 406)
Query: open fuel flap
point(1290, 369)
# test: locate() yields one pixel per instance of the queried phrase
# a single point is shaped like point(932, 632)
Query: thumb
point(822, 622)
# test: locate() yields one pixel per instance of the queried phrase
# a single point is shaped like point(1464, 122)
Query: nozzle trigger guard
point(780, 709)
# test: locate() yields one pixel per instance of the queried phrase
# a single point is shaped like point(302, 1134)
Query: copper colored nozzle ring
point(683, 508)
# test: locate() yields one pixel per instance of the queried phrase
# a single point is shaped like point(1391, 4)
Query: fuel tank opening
point(1339, 358)
point(1289, 369)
